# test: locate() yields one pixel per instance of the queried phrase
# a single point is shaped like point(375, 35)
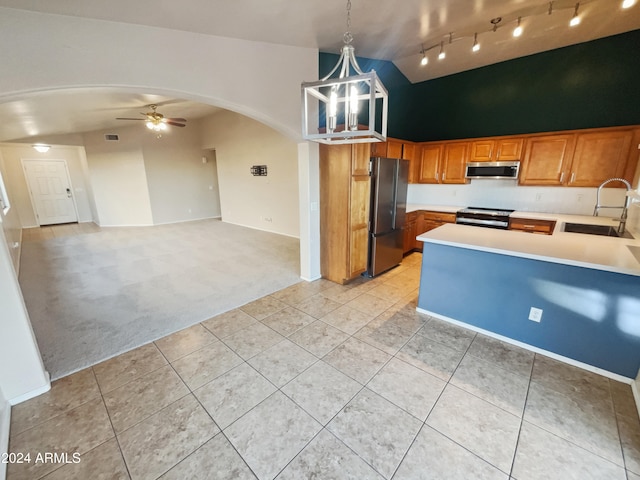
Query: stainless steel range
point(484, 217)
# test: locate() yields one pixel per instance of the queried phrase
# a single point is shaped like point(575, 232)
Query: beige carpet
point(93, 296)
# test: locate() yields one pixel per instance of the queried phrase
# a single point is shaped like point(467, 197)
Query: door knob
point(69, 192)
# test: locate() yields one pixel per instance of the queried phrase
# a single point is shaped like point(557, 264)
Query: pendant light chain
point(348, 38)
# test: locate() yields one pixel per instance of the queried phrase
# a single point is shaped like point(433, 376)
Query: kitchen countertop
point(619, 255)
point(413, 207)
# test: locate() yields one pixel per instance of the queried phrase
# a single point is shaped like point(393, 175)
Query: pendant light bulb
point(575, 20)
point(441, 55)
point(476, 45)
point(424, 60)
point(628, 3)
point(518, 30)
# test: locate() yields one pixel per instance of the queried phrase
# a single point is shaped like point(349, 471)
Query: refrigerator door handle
point(395, 196)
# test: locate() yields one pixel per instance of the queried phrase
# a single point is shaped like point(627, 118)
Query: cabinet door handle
point(437, 177)
point(444, 174)
point(562, 177)
point(573, 177)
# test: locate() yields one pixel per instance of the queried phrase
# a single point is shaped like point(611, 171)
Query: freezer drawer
point(385, 252)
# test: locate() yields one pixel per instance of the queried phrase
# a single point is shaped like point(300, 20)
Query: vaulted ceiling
point(391, 30)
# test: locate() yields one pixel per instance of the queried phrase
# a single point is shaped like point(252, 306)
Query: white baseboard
point(526, 346)
point(297, 237)
point(311, 279)
point(33, 393)
point(5, 425)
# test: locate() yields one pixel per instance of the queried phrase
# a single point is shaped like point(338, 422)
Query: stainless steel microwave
point(496, 170)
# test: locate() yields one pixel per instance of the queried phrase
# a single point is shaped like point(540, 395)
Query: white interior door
point(50, 190)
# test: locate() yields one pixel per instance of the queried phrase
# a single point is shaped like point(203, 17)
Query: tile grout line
point(526, 398)
point(115, 435)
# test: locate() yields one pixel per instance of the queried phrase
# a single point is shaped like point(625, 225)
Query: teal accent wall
point(592, 84)
point(589, 85)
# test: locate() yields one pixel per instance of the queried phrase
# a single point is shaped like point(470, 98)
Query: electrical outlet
point(579, 197)
point(535, 314)
point(538, 197)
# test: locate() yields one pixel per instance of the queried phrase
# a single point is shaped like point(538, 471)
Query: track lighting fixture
point(497, 22)
point(424, 60)
point(575, 20)
point(518, 30)
point(476, 45)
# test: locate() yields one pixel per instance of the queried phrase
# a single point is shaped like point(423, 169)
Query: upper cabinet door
point(600, 156)
point(546, 159)
point(482, 151)
point(360, 156)
point(509, 149)
point(455, 158)
point(430, 163)
point(394, 148)
point(379, 149)
point(411, 152)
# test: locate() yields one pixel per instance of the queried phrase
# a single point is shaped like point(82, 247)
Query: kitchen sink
point(604, 230)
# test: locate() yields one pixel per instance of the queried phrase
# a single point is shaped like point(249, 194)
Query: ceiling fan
point(156, 121)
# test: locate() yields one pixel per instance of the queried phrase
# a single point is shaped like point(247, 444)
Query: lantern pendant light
point(352, 107)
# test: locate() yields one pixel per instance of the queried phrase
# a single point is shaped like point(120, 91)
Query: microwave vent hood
point(493, 170)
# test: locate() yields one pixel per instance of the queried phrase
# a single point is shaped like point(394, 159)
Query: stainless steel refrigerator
point(389, 178)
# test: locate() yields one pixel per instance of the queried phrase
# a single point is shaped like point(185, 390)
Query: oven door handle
point(477, 221)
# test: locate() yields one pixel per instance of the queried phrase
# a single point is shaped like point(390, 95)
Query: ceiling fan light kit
point(156, 121)
point(548, 8)
point(354, 106)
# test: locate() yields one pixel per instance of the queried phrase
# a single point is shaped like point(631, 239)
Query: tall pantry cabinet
point(345, 187)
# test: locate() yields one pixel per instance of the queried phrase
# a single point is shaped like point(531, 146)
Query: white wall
point(5, 420)
point(506, 194)
point(10, 223)
point(267, 203)
point(181, 186)
point(13, 155)
point(260, 80)
point(22, 373)
point(118, 178)
point(256, 79)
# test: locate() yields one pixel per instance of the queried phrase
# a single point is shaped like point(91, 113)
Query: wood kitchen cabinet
point(430, 158)
point(600, 156)
point(579, 159)
point(532, 225)
point(411, 152)
point(443, 162)
point(454, 162)
point(422, 221)
point(410, 232)
point(546, 159)
point(496, 150)
point(394, 148)
point(345, 188)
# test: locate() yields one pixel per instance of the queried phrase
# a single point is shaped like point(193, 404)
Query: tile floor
point(323, 381)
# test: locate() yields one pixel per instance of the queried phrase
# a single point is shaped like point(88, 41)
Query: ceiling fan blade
point(175, 124)
point(177, 119)
point(122, 118)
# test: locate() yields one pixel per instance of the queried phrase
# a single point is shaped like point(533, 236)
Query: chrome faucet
point(625, 207)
